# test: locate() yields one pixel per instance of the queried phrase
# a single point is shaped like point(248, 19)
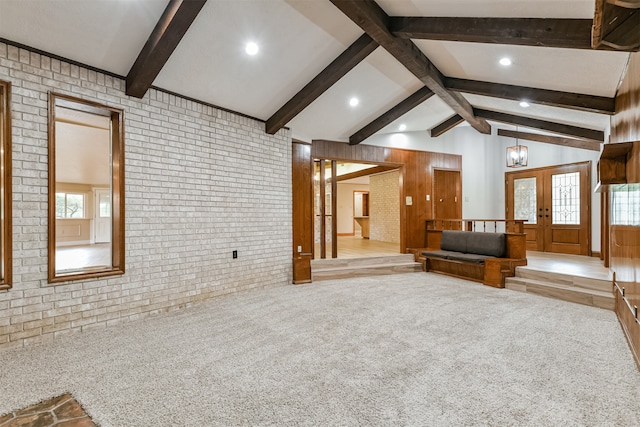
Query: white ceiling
point(297, 39)
point(82, 148)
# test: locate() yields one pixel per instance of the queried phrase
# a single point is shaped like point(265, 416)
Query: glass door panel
point(565, 201)
point(525, 202)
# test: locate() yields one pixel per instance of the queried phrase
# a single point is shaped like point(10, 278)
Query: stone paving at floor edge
point(61, 411)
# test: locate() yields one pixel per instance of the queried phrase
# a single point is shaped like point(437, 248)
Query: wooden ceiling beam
point(394, 113)
point(575, 131)
point(549, 139)
point(369, 16)
point(344, 63)
point(575, 101)
point(544, 32)
point(445, 126)
point(616, 24)
point(165, 37)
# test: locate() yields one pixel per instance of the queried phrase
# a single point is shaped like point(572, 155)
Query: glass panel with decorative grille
point(524, 199)
point(565, 201)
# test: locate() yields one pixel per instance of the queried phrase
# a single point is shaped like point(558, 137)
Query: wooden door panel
point(532, 237)
point(447, 192)
point(565, 241)
point(559, 235)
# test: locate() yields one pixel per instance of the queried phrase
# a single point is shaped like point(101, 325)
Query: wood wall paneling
point(624, 241)
point(302, 198)
point(334, 209)
point(625, 125)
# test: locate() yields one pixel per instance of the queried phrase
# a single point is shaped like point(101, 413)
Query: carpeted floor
point(410, 349)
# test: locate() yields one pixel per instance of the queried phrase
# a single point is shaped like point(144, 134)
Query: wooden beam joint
point(369, 16)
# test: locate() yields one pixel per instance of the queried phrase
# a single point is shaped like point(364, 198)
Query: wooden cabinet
point(612, 166)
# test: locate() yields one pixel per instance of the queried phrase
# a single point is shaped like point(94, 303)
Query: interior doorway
point(361, 214)
point(556, 204)
point(102, 215)
point(357, 213)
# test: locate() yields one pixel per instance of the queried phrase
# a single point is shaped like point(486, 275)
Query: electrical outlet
point(235, 254)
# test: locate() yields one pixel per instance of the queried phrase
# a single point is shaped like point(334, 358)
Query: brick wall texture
point(200, 183)
point(384, 199)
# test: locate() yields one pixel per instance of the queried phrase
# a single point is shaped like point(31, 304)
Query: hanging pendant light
point(518, 155)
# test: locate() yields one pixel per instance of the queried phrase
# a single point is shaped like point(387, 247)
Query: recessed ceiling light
point(505, 61)
point(402, 127)
point(524, 104)
point(251, 48)
point(354, 101)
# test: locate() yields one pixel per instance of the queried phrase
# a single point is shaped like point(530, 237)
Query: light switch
point(409, 200)
point(299, 249)
point(428, 197)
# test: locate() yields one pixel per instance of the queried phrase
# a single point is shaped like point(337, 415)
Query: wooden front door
point(447, 192)
point(556, 204)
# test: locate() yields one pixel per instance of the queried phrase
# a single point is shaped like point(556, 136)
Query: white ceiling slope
point(298, 39)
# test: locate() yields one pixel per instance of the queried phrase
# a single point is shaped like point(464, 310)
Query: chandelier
point(518, 155)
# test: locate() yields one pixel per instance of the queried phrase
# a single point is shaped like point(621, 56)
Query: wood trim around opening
point(116, 116)
point(6, 232)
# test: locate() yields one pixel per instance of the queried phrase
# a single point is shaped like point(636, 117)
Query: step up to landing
point(328, 269)
point(581, 290)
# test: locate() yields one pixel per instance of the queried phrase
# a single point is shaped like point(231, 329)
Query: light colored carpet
point(410, 349)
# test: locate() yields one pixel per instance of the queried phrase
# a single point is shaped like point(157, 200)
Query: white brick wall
point(200, 183)
point(384, 200)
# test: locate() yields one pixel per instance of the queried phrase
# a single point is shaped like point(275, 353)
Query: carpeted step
point(577, 294)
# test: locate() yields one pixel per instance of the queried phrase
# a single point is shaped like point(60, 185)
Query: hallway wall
point(200, 183)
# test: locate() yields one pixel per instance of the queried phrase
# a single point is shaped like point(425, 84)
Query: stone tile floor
point(60, 411)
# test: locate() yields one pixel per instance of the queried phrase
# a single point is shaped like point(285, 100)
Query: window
point(625, 205)
point(86, 189)
point(5, 186)
point(69, 205)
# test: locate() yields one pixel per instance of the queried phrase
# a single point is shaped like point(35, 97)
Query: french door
point(555, 202)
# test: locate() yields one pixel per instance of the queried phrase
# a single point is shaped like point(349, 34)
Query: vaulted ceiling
point(426, 64)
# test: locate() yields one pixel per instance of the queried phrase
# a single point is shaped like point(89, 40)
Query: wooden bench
point(483, 257)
